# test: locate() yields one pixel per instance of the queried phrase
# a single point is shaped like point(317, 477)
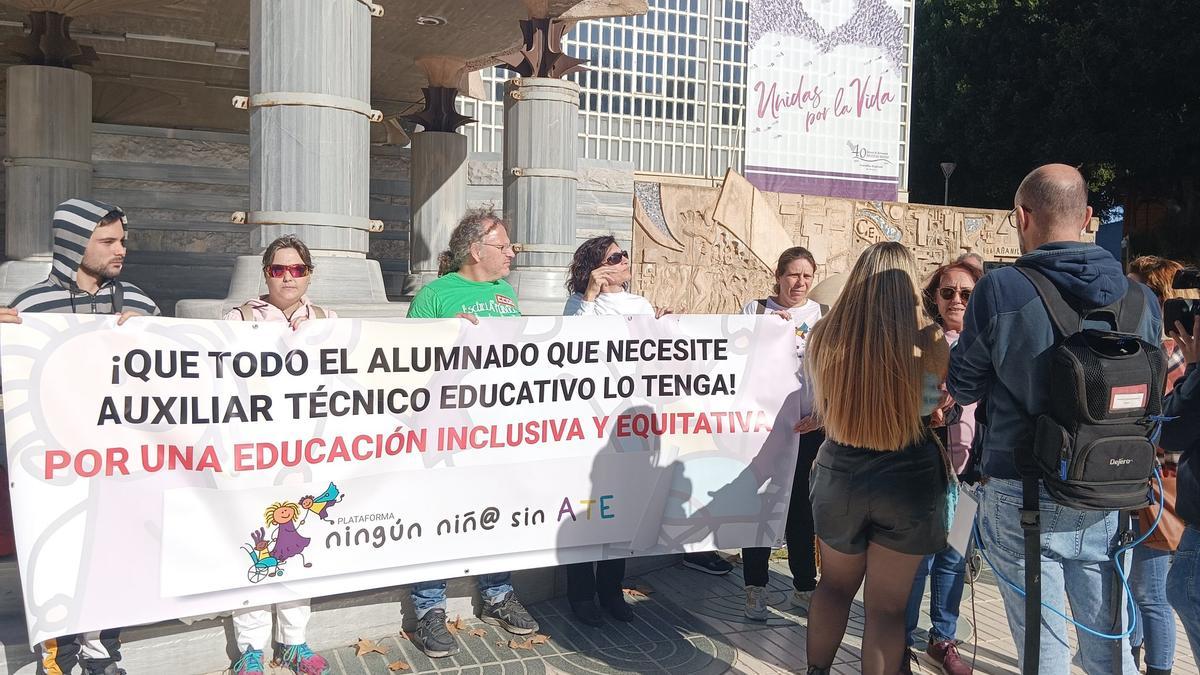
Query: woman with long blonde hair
point(878, 486)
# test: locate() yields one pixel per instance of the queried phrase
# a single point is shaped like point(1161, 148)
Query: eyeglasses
point(504, 248)
point(1011, 218)
point(616, 258)
point(298, 270)
point(949, 293)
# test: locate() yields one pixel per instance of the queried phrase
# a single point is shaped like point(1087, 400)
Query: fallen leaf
point(397, 666)
point(479, 632)
point(500, 643)
point(452, 628)
point(634, 593)
point(539, 639)
point(458, 622)
point(526, 644)
point(365, 646)
point(404, 634)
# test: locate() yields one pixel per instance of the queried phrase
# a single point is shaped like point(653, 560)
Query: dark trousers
point(798, 530)
point(588, 580)
point(59, 656)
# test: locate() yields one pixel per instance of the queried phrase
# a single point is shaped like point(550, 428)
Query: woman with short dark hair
point(287, 269)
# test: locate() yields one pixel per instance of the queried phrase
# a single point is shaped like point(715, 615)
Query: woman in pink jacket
point(946, 295)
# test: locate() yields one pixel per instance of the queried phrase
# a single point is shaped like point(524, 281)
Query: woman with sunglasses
point(599, 284)
point(287, 268)
point(945, 297)
point(794, 272)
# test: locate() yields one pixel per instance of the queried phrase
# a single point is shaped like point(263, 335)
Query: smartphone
point(1182, 310)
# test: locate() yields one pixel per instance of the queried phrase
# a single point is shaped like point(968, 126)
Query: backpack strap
point(1031, 528)
point(318, 312)
point(118, 296)
point(246, 311)
point(760, 306)
point(1125, 314)
point(1129, 311)
point(1063, 316)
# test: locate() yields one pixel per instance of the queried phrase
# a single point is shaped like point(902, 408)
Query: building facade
point(665, 90)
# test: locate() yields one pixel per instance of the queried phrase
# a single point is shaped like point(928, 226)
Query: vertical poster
point(824, 97)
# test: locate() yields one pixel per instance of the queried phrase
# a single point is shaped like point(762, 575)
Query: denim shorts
point(896, 499)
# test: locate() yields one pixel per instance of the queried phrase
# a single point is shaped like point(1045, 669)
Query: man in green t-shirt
point(472, 273)
point(471, 285)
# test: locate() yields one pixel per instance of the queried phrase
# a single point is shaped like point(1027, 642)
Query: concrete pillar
point(49, 160)
point(310, 116)
point(439, 198)
point(540, 179)
point(310, 92)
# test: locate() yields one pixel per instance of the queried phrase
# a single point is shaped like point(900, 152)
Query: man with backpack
point(1061, 455)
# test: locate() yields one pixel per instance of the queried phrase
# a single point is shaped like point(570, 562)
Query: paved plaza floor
point(687, 622)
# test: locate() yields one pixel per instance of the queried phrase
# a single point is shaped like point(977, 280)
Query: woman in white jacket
point(599, 285)
point(599, 282)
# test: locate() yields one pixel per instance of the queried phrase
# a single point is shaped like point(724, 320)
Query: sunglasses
point(949, 293)
point(298, 270)
point(616, 258)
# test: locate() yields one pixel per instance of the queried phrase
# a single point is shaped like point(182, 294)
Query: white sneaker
point(802, 599)
point(756, 603)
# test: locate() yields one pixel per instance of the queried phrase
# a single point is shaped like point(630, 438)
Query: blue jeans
point(1183, 584)
point(1076, 563)
point(947, 572)
point(1155, 630)
point(429, 595)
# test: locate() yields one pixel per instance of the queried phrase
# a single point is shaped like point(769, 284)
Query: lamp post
point(947, 169)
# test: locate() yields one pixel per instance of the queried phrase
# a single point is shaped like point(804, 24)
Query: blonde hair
point(868, 357)
point(269, 514)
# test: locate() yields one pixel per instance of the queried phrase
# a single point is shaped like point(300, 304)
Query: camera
point(1180, 309)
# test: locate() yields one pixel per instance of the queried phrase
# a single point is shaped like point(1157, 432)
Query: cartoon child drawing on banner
point(262, 563)
point(320, 505)
point(287, 540)
point(268, 555)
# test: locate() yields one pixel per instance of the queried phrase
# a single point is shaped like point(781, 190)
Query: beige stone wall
point(700, 249)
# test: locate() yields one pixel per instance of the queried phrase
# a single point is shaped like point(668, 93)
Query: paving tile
point(693, 625)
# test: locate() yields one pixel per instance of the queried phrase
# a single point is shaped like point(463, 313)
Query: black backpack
point(1092, 448)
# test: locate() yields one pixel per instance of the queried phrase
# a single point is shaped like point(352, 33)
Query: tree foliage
point(1111, 86)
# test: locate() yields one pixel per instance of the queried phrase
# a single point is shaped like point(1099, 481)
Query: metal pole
point(947, 169)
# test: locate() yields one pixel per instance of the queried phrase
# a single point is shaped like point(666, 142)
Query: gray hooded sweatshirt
point(74, 222)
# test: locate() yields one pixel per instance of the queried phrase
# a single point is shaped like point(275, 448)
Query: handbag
point(1170, 528)
point(951, 479)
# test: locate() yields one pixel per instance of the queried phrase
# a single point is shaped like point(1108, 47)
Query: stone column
point(439, 198)
point(310, 116)
point(49, 160)
point(540, 160)
point(310, 92)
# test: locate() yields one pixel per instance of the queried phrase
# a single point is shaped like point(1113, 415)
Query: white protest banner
point(825, 104)
point(170, 468)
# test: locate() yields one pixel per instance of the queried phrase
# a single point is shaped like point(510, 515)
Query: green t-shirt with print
point(452, 294)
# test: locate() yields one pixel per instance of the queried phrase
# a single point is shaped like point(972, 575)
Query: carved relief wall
point(702, 250)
